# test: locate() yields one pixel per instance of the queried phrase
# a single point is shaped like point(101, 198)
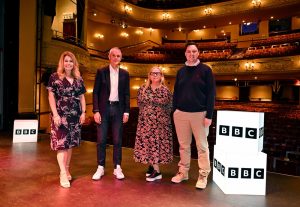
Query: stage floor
point(29, 176)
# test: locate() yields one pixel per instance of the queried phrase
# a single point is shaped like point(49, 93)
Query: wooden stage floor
point(29, 176)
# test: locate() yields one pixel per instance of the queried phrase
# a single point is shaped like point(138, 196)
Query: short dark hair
point(191, 43)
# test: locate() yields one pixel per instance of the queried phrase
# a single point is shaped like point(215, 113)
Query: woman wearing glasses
point(154, 144)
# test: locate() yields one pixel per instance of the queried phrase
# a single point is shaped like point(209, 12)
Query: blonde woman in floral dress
point(67, 103)
point(154, 143)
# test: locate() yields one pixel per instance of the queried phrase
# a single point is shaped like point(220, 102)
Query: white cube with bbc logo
point(25, 131)
point(239, 173)
point(240, 131)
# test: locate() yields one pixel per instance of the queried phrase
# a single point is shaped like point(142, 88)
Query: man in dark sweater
point(193, 101)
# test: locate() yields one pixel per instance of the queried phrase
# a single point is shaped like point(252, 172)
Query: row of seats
point(219, 45)
point(162, 57)
point(281, 50)
point(279, 39)
point(211, 56)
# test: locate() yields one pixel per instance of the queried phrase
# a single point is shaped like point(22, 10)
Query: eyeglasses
point(155, 73)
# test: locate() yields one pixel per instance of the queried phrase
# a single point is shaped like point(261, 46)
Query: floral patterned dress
point(154, 142)
point(68, 134)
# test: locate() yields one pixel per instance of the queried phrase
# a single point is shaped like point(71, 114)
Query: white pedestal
point(25, 131)
point(240, 131)
point(240, 173)
point(239, 165)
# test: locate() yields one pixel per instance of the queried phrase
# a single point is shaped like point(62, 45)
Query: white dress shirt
point(114, 84)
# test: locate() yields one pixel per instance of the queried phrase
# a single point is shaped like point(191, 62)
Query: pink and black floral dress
point(68, 134)
point(154, 142)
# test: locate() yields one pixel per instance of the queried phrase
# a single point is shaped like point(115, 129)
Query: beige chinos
point(186, 124)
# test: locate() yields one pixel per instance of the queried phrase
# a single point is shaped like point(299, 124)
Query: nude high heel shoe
point(64, 182)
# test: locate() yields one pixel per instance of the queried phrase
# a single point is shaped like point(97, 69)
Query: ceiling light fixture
point(127, 9)
point(208, 11)
point(256, 3)
point(165, 16)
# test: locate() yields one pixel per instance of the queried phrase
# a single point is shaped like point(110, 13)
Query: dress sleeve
point(82, 88)
point(51, 83)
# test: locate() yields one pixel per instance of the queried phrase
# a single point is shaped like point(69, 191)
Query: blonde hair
point(148, 82)
point(60, 68)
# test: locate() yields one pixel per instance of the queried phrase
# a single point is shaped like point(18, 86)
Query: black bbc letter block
point(32, 131)
point(237, 131)
point(219, 165)
point(26, 131)
point(223, 170)
point(259, 173)
point(18, 131)
point(224, 130)
point(215, 163)
point(233, 172)
point(251, 133)
point(246, 173)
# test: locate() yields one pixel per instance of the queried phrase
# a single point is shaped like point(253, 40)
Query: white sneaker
point(99, 173)
point(118, 173)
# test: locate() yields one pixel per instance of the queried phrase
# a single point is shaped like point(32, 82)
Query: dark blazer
point(101, 90)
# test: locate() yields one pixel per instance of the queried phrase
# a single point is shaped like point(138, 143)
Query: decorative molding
point(116, 7)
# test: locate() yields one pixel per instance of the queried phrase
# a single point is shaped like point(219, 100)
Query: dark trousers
point(114, 118)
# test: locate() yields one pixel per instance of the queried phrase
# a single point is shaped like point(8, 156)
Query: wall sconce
point(256, 3)
point(123, 24)
point(165, 16)
point(208, 11)
point(127, 9)
point(99, 36)
point(249, 66)
point(124, 34)
point(150, 30)
point(139, 32)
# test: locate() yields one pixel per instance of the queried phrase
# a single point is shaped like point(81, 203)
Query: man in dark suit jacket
point(111, 107)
